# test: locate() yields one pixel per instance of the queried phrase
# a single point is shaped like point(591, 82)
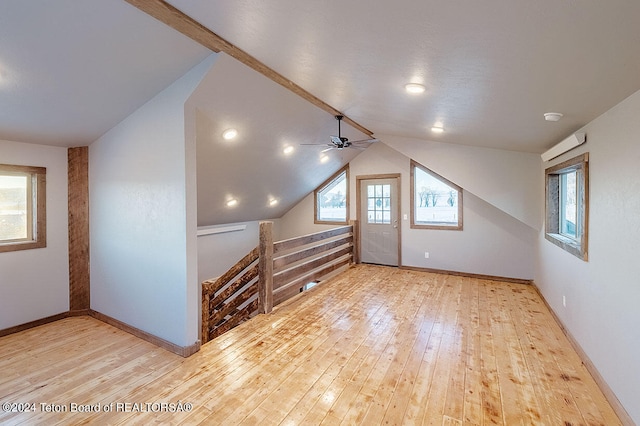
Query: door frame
point(359, 180)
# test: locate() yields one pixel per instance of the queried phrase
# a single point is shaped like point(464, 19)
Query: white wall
point(492, 242)
point(505, 179)
point(35, 283)
point(299, 220)
point(220, 251)
point(603, 294)
point(143, 219)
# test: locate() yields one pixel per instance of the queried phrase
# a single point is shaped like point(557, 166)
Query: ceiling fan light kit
point(341, 142)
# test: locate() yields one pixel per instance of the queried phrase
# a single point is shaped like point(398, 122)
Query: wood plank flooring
point(374, 345)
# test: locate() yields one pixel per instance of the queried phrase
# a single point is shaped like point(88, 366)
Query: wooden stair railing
point(302, 260)
point(223, 299)
point(272, 273)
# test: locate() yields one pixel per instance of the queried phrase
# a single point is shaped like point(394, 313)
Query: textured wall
point(603, 294)
point(35, 283)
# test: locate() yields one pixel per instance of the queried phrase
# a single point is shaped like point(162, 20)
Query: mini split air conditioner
point(564, 146)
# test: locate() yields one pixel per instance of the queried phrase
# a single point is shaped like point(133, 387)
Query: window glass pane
point(435, 201)
point(332, 200)
point(379, 204)
point(371, 205)
point(14, 207)
point(569, 204)
point(22, 224)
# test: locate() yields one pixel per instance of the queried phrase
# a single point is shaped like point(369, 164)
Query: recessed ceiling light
point(324, 158)
point(232, 202)
point(414, 88)
point(273, 202)
point(437, 129)
point(229, 134)
point(288, 150)
point(552, 116)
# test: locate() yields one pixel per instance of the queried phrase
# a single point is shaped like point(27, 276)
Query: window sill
point(567, 244)
point(440, 226)
point(26, 245)
point(331, 222)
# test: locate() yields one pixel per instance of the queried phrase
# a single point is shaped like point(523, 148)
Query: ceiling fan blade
point(366, 141)
point(315, 144)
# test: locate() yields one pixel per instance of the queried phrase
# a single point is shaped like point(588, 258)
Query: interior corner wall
point(217, 252)
point(506, 179)
point(139, 218)
point(35, 283)
point(491, 243)
point(603, 294)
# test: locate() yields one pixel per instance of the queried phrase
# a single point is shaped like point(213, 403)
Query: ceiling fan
point(340, 142)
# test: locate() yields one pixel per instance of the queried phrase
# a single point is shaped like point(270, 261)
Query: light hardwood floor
point(374, 345)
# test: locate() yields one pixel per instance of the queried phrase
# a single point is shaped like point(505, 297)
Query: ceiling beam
point(188, 26)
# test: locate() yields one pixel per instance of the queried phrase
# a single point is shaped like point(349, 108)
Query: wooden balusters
point(272, 273)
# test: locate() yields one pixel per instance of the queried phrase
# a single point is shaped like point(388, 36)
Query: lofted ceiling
point(253, 168)
point(71, 69)
point(491, 69)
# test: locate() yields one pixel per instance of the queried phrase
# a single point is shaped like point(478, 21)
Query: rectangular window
point(332, 199)
point(436, 203)
point(22, 207)
point(566, 205)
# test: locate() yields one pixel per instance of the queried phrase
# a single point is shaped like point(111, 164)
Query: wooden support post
point(205, 317)
point(356, 240)
point(78, 202)
point(265, 268)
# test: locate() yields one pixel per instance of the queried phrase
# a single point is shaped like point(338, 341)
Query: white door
point(379, 221)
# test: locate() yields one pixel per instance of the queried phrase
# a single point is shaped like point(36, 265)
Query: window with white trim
point(332, 199)
point(22, 207)
point(566, 205)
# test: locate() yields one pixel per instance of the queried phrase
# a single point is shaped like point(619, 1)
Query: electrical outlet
point(426, 254)
point(405, 217)
point(564, 301)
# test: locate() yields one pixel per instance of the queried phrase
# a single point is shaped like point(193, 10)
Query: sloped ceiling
point(252, 168)
point(491, 69)
point(70, 70)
